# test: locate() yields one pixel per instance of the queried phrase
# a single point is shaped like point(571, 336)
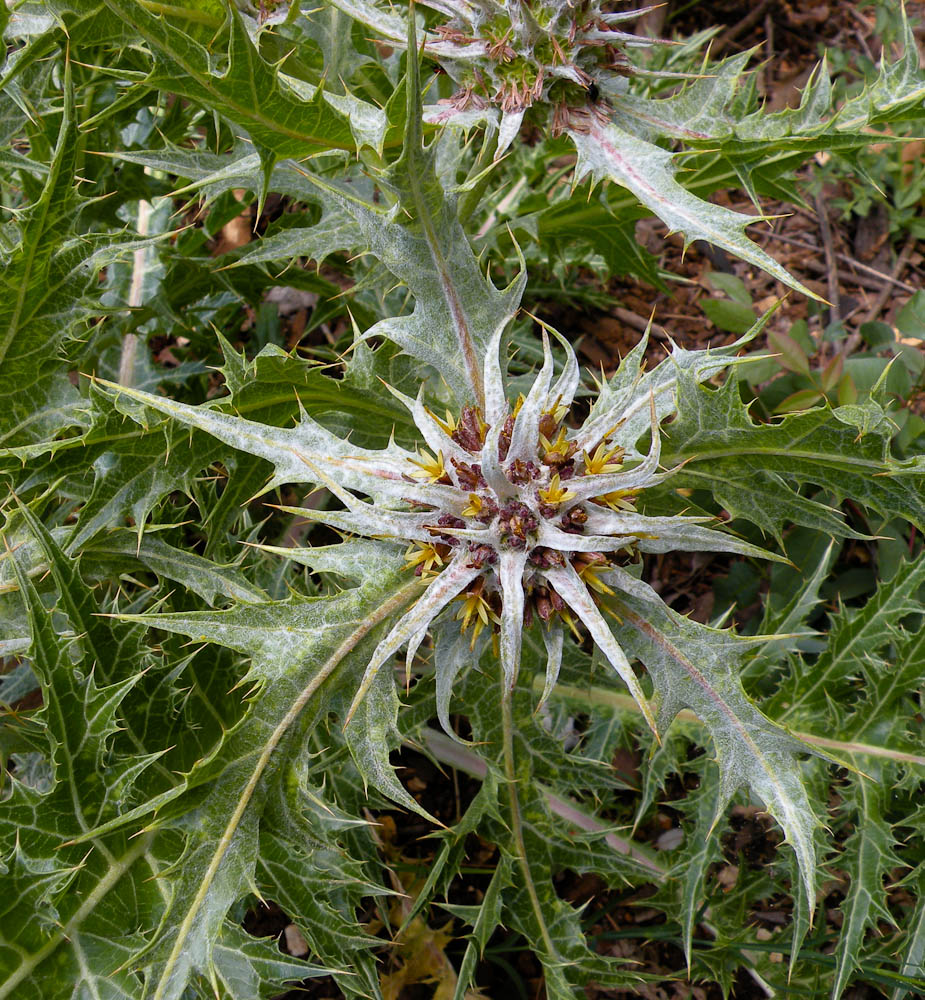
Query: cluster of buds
point(515, 54)
point(510, 521)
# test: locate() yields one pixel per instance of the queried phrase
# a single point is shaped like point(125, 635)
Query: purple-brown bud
point(504, 440)
point(469, 476)
point(469, 430)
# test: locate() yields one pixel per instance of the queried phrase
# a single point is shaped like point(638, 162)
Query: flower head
point(526, 514)
point(514, 55)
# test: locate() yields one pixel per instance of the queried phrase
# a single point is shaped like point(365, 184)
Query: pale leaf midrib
point(783, 797)
point(457, 314)
point(781, 451)
point(393, 604)
point(271, 401)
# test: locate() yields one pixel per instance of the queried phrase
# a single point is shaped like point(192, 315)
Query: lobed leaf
point(697, 667)
point(756, 470)
point(606, 152)
point(248, 90)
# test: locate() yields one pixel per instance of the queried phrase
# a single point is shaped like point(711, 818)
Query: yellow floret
point(448, 426)
point(430, 468)
point(603, 461)
point(566, 616)
point(559, 446)
point(555, 493)
point(423, 555)
point(589, 573)
point(557, 411)
point(618, 499)
point(475, 611)
point(474, 507)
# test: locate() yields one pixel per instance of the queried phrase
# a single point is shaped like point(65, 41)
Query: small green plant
point(215, 546)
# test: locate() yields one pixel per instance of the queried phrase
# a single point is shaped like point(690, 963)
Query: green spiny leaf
point(854, 636)
point(754, 470)
point(696, 667)
point(81, 896)
point(248, 92)
point(914, 952)
point(868, 858)
point(36, 398)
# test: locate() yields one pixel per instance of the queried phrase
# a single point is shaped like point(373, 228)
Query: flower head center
point(528, 492)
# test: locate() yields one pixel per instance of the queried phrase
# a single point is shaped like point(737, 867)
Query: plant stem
point(129, 355)
point(624, 703)
point(460, 758)
point(510, 773)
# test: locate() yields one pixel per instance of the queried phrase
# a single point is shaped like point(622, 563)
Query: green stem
point(510, 773)
point(624, 703)
point(463, 759)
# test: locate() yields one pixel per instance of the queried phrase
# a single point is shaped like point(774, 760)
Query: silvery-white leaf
point(526, 423)
point(453, 651)
point(434, 599)
point(623, 401)
point(568, 584)
point(511, 576)
point(507, 131)
point(552, 639)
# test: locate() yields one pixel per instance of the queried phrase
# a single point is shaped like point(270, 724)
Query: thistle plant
point(208, 678)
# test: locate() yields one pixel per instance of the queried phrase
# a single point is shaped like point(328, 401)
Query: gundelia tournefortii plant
point(235, 584)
